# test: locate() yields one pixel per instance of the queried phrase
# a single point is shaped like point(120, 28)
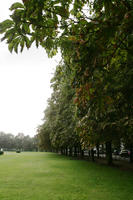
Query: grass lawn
point(47, 176)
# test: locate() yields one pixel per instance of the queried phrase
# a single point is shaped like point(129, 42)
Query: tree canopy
point(9, 142)
point(96, 42)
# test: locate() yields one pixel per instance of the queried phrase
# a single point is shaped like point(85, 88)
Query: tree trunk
point(82, 153)
point(78, 151)
point(131, 153)
point(70, 151)
point(61, 151)
point(75, 151)
point(109, 153)
point(66, 151)
point(92, 155)
point(89, 153)
point(56, 150)
point(97, 146)
point(102, 148)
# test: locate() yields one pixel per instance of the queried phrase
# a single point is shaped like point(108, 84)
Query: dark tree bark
point(61, 151)
point(66, 151)
point(97, 146)
point(56, 151)
point(75, 151)
point(92, 155)
point(70, 151)
point(109, 153)
point(82, 153)
point(89, 153)
point(131, 153)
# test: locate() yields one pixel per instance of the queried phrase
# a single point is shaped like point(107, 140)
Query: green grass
point(47, 176)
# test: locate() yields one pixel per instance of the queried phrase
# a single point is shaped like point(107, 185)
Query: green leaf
point(60, 10)
point(52, 53)
point(3, 38)
point(11, 46)
point(28, 43)
point(22, 45)
point(9, 35)
point(26, 28)
point(6, 25)
point(16, 5)
point(16, 46)
point(37, 43)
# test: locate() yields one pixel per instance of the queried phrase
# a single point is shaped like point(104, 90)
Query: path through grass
point(47, 176)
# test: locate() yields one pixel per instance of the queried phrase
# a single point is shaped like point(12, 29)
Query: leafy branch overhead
point(39, 21)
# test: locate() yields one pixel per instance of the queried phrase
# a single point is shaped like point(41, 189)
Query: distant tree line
point(9, 142)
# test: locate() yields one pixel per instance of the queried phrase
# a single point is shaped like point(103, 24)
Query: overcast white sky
point(24, 85)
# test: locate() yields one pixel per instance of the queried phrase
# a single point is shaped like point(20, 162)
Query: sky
point(24, 84)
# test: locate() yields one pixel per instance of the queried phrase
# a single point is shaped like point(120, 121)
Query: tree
point(95, 39)
point(10, 142)
point(58, 129)
point(43, 137)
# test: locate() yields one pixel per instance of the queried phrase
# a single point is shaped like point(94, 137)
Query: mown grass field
point(47, 176)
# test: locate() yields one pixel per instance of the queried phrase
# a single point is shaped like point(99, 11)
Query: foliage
point(96, 43)
point(1, 152)
point(58, 129)
point(18, 142)
point(18, 151)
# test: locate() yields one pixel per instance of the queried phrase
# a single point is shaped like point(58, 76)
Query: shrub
point(1, 152)
point(18, 151)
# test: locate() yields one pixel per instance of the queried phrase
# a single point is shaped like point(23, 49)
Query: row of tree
point(9, 142)
point(92, 95)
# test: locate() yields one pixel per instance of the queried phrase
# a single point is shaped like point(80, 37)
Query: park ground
point(48, 176)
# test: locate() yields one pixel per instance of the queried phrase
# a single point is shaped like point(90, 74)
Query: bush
point(18, 151)
point(1, 152)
